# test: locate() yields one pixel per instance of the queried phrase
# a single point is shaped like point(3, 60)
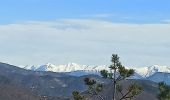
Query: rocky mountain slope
point(10, 92)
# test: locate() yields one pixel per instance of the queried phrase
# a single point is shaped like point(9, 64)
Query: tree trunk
point(114, 84)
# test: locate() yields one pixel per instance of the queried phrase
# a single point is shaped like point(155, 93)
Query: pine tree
point(164, 93)
point(94, 88)
point(119, 73)
point(116, 74)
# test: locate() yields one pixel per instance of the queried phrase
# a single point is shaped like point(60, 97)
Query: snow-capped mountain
point(80, 70)
point(70, 68)
point(148, 71)
point(154, 73)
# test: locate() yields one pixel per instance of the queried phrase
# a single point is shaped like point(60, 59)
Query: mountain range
point(18, 83)
point(154, 73)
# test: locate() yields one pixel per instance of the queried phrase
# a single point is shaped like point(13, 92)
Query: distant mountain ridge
point(80, 70)
point(59, 85)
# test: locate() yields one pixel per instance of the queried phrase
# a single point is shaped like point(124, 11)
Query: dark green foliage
point(118, 74)
point(115, 59)
point(124, 73)
point(110, 75)
point(164, 92)
point(133, 90)
point(77, 96)
point(89, 81)
point(104, 73)
point(93, 86)
point(99, 88)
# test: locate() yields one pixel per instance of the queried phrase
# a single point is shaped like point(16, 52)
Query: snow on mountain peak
point(74, 67)
point(150, 70)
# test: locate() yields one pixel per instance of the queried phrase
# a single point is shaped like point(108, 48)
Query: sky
point(85, 31)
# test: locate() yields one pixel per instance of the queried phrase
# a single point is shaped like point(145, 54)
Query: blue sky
point(114, 10)
point(85, 31)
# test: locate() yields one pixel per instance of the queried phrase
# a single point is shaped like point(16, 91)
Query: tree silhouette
point(94, 88)
point(164, 93)
point(116, 74)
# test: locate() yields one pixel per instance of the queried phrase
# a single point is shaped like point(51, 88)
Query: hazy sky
point(85, 31)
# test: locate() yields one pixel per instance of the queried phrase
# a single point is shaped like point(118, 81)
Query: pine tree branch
point(123, 97)
point(129, 96)
point(122, 93)
point(95, 93)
